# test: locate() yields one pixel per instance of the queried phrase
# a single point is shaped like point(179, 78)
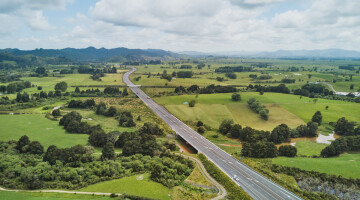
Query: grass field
point(139, 185)
point(46, 196)
point(38, 128)
point(309, 148)
point(284, 108)
point(347, 164)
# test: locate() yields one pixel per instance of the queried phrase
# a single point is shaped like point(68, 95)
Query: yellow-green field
point(139, 185)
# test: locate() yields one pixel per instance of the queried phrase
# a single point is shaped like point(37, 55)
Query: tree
point(77, 90)
point(111, 112)
point(312, 129)
point(192, 103)
point(287, 150)
point(100, 108)
point(236, 97)
point(199, 123)
point(97, 138)
point(49, 155)
point(35, 148)
point(40, 70)
point(225, 126)
point(344, 127)
point(317, 117)
point(259, 149)
point(201, 129)
point(125, 92)
point(235, 131)
point(132, 147)
point(21, 143)
point(62, 86)
point(280, 134)
point(56, 113)
point(108, 152)
point(351, 86)
point(151, 128)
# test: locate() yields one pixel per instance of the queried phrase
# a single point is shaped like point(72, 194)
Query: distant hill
point(102, 54)
point(324, 53)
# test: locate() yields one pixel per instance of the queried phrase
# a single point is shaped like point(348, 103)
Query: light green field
point(38, 128)
point(309, 148)
point(347, 164)
point(48, 83)
point(284, 108)
point(139, 185)
point(46, 196)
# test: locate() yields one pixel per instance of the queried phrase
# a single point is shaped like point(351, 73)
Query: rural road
point(253, 183)
point(222, 191)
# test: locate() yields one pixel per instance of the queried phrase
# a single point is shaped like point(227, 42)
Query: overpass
point(252, 182)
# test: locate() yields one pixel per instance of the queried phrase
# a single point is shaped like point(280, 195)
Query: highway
point(253, 183)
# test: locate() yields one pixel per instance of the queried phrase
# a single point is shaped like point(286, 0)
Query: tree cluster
point(184, 74)
point(256, 106)
point(279, 89)
point(341, 145)
point(126, 119)
point(73, 124)
point(24, 145)
point(228, 69)
point(88, 103)
point(346, 128)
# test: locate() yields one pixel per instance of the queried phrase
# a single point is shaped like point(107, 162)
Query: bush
point(192, 103)
point(226, 126)
point(287, 150)
point(236, 97)
point(201, 129)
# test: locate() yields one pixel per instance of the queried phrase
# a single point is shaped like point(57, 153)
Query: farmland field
point(47, 196)
point(284, 108)
point(38, 128)
point(139, 185)
point(346, 165)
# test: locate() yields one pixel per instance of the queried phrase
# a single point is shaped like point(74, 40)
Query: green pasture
point(47, 196)
point(38, 128)
point(309, 148)
point(284, 108)
point(139, 185)
point(346, 165)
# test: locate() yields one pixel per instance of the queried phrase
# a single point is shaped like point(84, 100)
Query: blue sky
point(181, 25)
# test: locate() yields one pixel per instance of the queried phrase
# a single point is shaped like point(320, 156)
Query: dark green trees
point(62, 86)
point(151, 128)
point(344, 127)
point(21, 143)
point(256, 106)
point(235, 131)
point(40, 70)
point(35, 148)
point(236, 97)
point(24, 145)
point(259, 149)
point(317, 117)
point(108, 152)
point(56, 113)
point(192, 103)
point(287, 150)
point(98, 137)
point(126, 119)
point(225, 126)
point(280, 134)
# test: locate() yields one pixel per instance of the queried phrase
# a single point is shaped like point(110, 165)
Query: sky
point(181, 25)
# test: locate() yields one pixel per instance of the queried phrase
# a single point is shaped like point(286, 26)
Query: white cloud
point(203, 25)
point(30, 12)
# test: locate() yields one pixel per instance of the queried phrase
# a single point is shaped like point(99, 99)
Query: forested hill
point(94, 54)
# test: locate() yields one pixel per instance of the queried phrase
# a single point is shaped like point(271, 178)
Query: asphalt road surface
point(253, 183)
